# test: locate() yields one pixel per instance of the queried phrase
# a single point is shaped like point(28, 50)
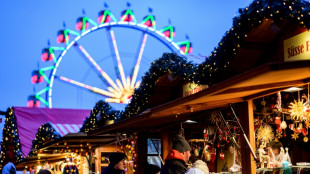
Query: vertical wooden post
point(141, 148)
point(246, 118)
point(165, 144)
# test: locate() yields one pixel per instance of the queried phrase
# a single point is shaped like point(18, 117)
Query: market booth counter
point(73, 153)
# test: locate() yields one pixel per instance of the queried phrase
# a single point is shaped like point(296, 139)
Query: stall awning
point(29, 120)
point(257, 82)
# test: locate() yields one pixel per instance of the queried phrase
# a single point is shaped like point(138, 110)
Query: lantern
point(81, 23)
point(36, 77)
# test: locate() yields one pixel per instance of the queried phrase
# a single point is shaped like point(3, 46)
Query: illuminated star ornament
point(294, 136)
point(298, 110)
point(265, 133)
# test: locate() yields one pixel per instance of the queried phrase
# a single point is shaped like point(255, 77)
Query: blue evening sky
point(26, 27)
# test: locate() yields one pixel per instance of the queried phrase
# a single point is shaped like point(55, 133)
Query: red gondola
point(79, 24)
point(36, 77)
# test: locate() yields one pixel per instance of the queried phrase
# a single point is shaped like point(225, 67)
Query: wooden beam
point(261, 86)
point(246, 118)
point(264, 93)
point(187, 108)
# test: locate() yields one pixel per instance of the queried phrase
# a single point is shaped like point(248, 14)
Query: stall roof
point(263, 80)
point(29, 121)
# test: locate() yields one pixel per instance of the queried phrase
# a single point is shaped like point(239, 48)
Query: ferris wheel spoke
point(138, 60)
point(118, 59)
point(90, 88)
point(93, 64)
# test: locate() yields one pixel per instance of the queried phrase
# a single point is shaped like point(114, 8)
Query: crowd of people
point(175, 163)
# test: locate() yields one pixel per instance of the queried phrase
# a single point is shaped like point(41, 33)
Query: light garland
point(214, 68)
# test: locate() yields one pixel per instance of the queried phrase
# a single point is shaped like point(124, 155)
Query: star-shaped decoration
point(294, 136)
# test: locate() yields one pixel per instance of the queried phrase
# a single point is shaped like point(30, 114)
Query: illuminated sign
point(192, 88)
point(297, 47)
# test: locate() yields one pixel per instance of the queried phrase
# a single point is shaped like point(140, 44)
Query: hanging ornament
point(263, 102)
point(278, 133)
point(294, 136)
point(222, 155)
point(298, 110)
point(305, 139)
point(205, 133)
point(206, 153)
point(265, 133)
point(196, 152)
point(213, 155)
point(291, 126)
point(304, 131)
point(283, 125)
point(278, 120)
point(279, 102)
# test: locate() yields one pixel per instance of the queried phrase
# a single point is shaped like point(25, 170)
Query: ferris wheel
point(105, 59)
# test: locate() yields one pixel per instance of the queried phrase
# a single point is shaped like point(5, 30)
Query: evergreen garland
point(45, 132)
point(213, 69)
point(103, 111)
point(294, 11)
point(10, 145)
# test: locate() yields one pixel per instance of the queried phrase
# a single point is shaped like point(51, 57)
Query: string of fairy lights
point(209, 72)
point(45, 132)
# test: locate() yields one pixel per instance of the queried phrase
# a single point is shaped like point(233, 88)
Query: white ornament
point(283, 125)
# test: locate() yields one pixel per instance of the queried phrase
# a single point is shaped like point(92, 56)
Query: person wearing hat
point(151, 168)
point(175, 162)
point(117, 163)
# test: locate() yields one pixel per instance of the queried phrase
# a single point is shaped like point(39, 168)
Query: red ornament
point(205, 135)
point(298, 130)
point(278, 120)
point(271, 106)
point(222, 155)
point(228, 141)
point(224, 138)
point(213, 156)
point(218, 145)
point(304, 131)
point(284, 135)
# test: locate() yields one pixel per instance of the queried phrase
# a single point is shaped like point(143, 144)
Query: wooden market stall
point(74, 149)
point(266, 51)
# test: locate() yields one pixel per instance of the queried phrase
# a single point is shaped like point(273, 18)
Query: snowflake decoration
point(298, 110)
point(294, 135)
point(265, 133)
